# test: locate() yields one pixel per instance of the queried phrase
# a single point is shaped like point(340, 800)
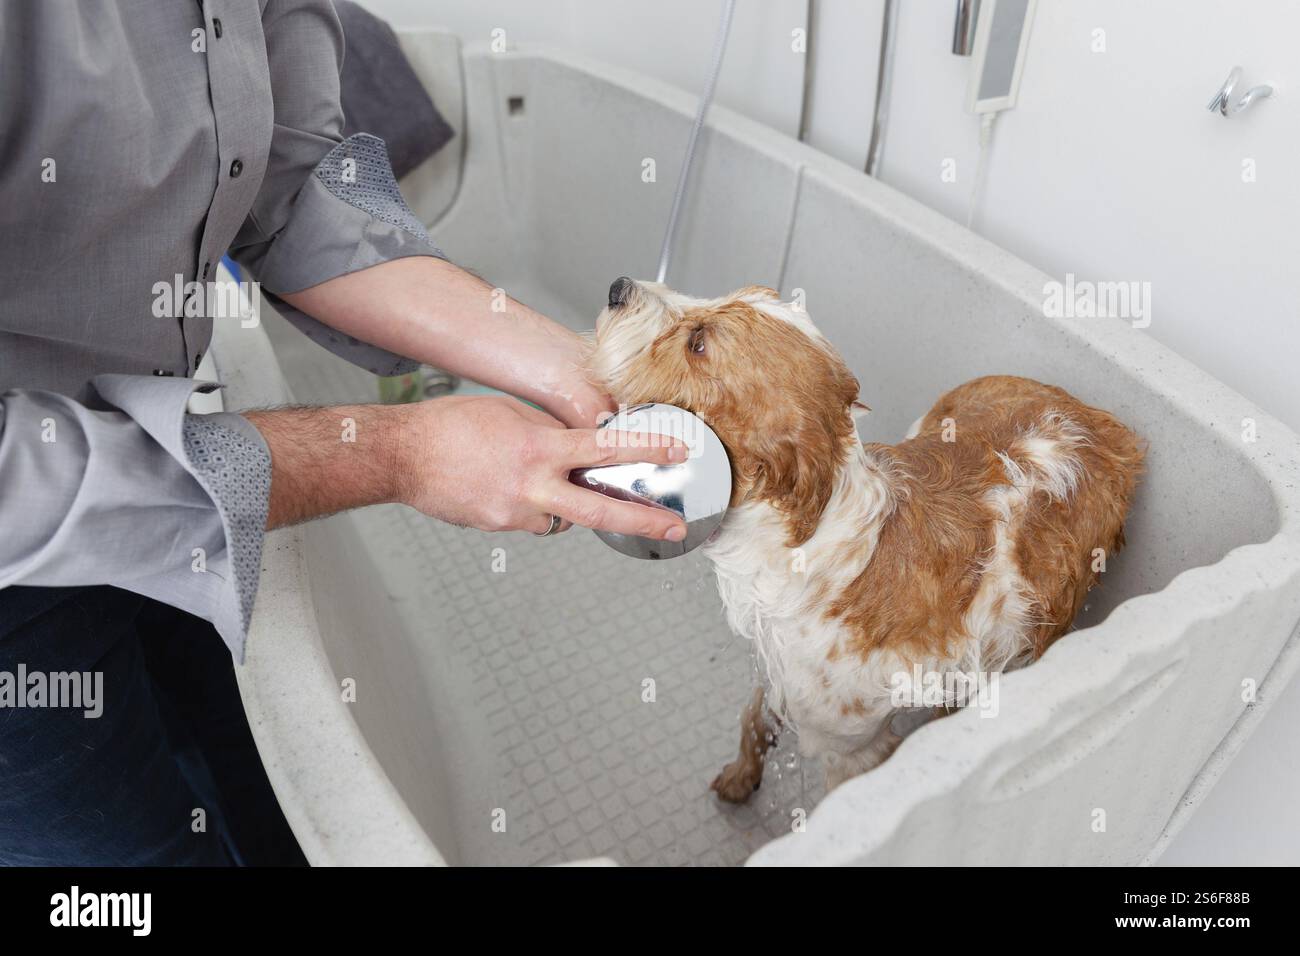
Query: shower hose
point(688, 162)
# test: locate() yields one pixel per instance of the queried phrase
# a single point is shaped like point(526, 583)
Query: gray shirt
point(139, 141)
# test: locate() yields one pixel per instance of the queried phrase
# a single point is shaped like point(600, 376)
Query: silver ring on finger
point(555, 526)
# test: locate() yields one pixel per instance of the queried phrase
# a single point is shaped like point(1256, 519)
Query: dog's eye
point(696, 342)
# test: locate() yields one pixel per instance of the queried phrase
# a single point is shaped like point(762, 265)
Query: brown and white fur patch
point(967, 547)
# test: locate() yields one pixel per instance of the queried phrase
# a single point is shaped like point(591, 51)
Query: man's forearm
point(325, 460)
point(435, 312)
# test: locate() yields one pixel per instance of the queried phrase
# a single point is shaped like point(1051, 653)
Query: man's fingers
point(588, 447)
point(593, 510)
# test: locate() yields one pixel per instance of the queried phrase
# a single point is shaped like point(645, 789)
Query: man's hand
point(486, 462)
point(499, 465)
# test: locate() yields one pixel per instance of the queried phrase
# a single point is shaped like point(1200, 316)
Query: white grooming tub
point(486, 697)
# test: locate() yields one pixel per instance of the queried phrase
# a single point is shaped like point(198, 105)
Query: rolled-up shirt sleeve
point(130, 490)
point(327, 206)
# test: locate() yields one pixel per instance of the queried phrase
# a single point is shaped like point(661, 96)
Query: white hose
point(977, 185)
point(719, 49)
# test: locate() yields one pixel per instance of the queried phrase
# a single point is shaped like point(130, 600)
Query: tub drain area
point(584, 700)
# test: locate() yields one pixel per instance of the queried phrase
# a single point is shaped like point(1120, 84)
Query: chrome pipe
point(963, 30)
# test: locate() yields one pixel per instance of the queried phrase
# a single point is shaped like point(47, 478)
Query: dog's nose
point(619, 290)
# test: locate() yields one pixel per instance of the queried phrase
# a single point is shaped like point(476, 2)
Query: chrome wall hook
point(1221, 98)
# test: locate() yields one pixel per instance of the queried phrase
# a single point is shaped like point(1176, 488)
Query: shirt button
point(236, 168)
point(216, 27)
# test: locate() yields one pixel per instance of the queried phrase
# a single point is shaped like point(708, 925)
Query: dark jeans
point(172, 739)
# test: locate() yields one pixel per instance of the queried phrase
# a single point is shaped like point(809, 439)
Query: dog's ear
point(796, 468)
point(796, 475)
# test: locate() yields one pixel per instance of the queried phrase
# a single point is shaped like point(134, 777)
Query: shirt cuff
point(227, 456)
point(350, 215)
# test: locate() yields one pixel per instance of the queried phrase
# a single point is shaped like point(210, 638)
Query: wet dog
point(968, 547)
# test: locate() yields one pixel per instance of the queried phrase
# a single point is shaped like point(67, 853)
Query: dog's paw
point(737, 781)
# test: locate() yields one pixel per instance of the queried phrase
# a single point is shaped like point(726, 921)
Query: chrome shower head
point(698, 489)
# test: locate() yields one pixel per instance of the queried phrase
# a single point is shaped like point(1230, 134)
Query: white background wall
point(1110, 168)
